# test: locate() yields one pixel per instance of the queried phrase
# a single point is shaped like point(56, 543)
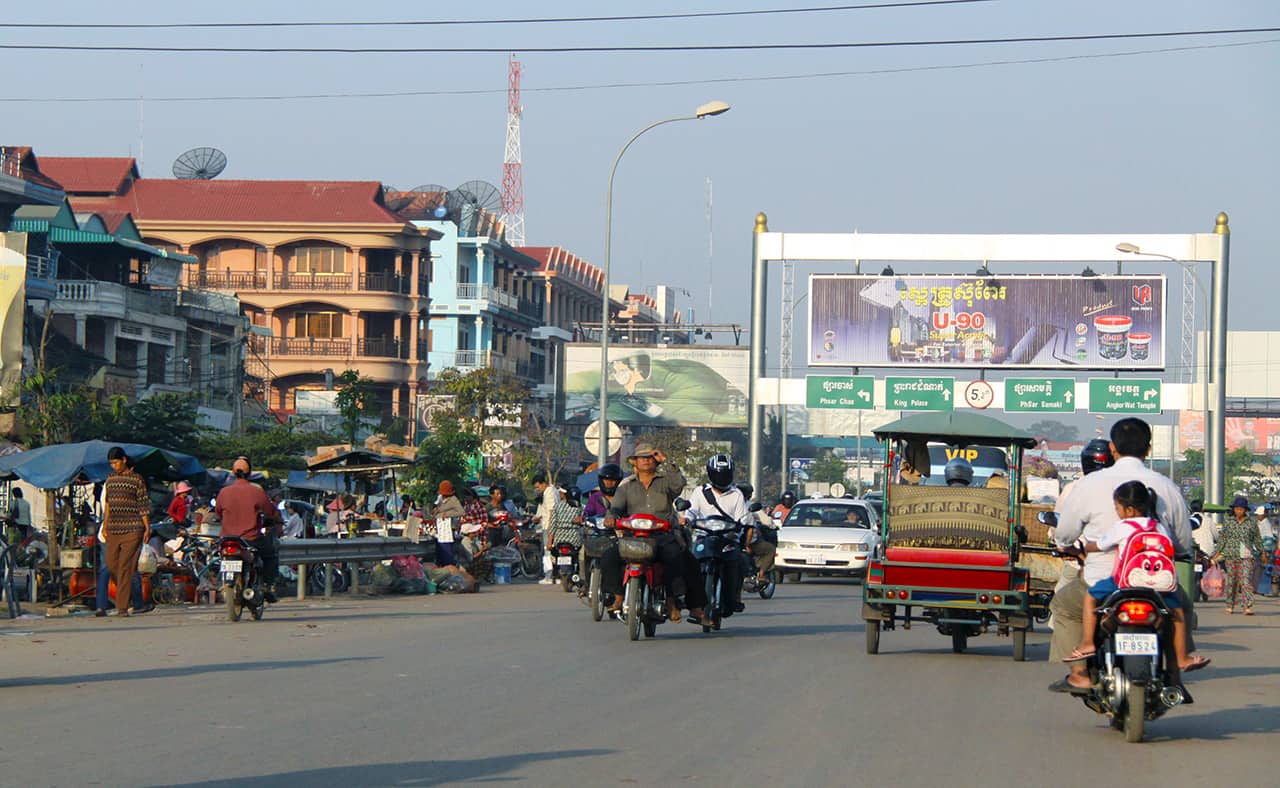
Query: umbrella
point(51, 467)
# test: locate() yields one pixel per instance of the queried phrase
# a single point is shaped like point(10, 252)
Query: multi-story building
point(328, 277)
point(570, 294)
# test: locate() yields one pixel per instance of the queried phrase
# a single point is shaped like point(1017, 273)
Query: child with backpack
point(1144, 559)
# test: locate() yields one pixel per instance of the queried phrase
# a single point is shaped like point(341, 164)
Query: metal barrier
point(301, 552)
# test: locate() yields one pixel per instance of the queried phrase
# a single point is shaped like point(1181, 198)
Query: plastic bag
point(503, 555)
point(408, 567)
point(382, 579)
point(417, 585)
point(1213, 583)
point(147, 560)
point(454, 584)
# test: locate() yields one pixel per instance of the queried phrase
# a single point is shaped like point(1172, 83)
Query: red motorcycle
point(645, 600)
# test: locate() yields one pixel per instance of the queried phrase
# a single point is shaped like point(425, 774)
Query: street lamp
point(710, 109)
point(1134, 249)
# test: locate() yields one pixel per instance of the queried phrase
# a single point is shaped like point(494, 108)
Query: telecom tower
point(512, 168)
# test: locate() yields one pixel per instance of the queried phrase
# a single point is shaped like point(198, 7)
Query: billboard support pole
point(754, 424)
point(1215, 432)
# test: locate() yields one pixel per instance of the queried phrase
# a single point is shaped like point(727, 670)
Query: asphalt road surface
point(518, 685)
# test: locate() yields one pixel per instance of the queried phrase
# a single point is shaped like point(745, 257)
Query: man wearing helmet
point(958, 473)
point(719, 497)
point(248, 513)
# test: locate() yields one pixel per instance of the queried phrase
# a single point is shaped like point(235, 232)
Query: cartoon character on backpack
point(1146, 559)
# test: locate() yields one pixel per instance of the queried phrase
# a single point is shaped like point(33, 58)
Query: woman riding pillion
point(651, 490)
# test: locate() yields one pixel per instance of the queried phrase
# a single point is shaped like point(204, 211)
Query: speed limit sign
point(979, 394)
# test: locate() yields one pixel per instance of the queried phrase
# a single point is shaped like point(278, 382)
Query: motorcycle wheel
point(873, 637)
point(1019, 645)
point(1135, 712)
point(232, 593)
point(532, 565)
point(770, 585)
point(650, 628)
point(596, 594)
point(566, 583)
point(959, 641)
point(632, 608)
point(712, 610)
point(257, 612)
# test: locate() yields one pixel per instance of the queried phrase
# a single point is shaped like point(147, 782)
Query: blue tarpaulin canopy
point(319, 482)
point(51, 467)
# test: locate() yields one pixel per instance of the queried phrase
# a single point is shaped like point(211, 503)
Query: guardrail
point(330, 551)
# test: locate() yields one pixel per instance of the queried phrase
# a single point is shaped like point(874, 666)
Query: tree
point(278, 448)
point(540, 447)
point(1238, 473)
point(828, 469)
point(442, 455)
point(484, 398)
point(166, 421)
point(356, 402)
point(1054, 430)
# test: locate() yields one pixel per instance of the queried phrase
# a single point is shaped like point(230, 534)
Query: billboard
point(1017, 322)
point(1258, 435)
point(13, 278)
point(686, 386)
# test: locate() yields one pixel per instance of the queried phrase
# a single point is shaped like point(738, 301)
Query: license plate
point(564, 560)
point(1131, 644)
point(819, 559)
point(231, 567)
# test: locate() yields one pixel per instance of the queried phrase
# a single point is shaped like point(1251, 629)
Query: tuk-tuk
point(948, 555)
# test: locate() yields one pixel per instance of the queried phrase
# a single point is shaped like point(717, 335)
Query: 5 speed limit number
point(979, 394)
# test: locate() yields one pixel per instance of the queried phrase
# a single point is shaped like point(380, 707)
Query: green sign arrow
point(1039, 395)
point(840, 391)
point(1124, 395)
point(919, 393)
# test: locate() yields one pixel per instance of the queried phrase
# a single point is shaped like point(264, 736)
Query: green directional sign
point(1124, 395)
point(840, 391)
point(1039, 395)
point(919, 393)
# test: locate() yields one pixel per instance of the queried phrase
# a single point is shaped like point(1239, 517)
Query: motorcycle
point(564, 557)
point(717, 540)
point(752, 583)
point(241, 569)
point(597, 537)
point(645, 596)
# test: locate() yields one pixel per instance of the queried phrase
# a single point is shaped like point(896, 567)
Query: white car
point(828, 536)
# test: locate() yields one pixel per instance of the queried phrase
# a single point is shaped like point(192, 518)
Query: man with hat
point(652, 489)
point(248, 513)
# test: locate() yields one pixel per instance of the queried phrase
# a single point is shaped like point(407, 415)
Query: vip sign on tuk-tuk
point(948, 555)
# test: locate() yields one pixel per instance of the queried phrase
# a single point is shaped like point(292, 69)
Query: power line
point(458, 22)
point(620, 85)
point(620, 49)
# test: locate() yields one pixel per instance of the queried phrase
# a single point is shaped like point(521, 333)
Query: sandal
point(1196, 663)
point(1076, 655)
point(1248, 611)
point(1230, 610)
point(673, 613)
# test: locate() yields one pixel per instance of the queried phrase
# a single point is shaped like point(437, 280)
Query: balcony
point(210, 301)
point(383, 347)
point(469, 359)
point(365, 347)
point(370, 281)
point(227, 280)
point(468, 291)
point(111, 298)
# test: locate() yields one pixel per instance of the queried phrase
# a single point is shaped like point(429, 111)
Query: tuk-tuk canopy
point(956, 428)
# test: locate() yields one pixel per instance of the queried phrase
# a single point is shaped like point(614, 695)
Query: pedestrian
point(180, 505)
point(294, 527)
point(1239, 545)
point(19, 513)
point(126, 524)
point(447, 509)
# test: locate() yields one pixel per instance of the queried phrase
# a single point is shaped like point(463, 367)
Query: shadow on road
point(414, 773)
point(184, 671)
point(1217, 725)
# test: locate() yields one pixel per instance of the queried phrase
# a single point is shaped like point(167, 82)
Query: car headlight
point(855, 547)
point(788, 545)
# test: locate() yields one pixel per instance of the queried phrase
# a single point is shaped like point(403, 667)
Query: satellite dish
point(200, 164)
point(480, 194)
point(395, 200)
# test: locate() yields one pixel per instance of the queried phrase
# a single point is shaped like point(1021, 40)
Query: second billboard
point(1026, 322)
point(671, 386)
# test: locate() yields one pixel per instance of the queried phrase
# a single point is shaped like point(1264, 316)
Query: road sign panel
point(1124, 395)
point(1039, 395)
point(840, 391)
point(919, 393)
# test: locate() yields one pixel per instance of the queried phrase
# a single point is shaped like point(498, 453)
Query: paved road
point(517, 684)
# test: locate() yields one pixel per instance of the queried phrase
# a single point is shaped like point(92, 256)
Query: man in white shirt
point(1089, 511)
point(549, 497)
point(720, 498)
point(1265, 530)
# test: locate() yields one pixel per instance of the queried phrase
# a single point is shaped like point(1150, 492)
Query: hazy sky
point(1143, 143)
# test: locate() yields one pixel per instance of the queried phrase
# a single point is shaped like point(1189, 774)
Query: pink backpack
point(1145, 559)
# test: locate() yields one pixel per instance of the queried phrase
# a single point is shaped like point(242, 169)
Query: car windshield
point(828, 515)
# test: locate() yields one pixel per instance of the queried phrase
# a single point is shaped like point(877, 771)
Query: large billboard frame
point(733, 379)
point(1084, 339)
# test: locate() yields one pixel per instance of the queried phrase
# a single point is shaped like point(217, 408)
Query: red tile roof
point(306, 202)
point(559, 259)
point(89, 175)
point(20, 162)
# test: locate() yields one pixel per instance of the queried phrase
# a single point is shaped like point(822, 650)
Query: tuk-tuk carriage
point(948, 555)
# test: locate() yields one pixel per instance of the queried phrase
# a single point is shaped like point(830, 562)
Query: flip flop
point(1196, 664)
point(1248, 611)
point(1076, 655)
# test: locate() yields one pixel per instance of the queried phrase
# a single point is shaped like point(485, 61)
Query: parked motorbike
point(242, 586)
point(596, 538)
point(644, 603)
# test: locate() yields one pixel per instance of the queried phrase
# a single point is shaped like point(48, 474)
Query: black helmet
point(720, 471)
point(748, 491)
point(788, 499)
point(958, 473)
point(1096, 456)
point(608, 477)
point(572, 495)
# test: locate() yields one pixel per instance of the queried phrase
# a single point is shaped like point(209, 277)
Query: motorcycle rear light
point(982, 598)
point(1136, 612)
point(231, 548)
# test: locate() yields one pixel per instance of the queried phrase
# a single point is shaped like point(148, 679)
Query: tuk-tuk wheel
point(959, 641)
point(873, 636)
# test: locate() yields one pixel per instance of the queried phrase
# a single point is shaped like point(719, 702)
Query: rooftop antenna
point(200, 164)
point(711, 249)
point(512, 166)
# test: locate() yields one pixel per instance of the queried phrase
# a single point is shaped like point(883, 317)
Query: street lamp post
point(710, 109)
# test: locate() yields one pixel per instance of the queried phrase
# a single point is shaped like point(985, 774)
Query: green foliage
point(1054, 430)
point(1237, 471)
point(1035, 465)
point(356, 402)
point(828, 469)
point(540, 446)
point(442, 455)
point(167, 421)
point(483, 396)
point(278, 448)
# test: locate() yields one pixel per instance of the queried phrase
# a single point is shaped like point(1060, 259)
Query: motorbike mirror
point(1047, 518)
point(681, 505)
point(754, 507)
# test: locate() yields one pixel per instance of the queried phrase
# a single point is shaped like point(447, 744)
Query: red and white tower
point(512, 168)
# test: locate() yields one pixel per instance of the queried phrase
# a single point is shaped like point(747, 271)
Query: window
point(831, 515)
point(319, 260)
point(318, 325)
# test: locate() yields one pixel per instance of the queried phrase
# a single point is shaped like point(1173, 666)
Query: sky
point(918, 139)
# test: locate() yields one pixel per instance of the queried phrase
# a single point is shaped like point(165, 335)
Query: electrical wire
point(833, 45)
point(460, 22)
point(623, 85)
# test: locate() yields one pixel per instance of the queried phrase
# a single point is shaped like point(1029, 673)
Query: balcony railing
point(370, 281)
point(227, 280)
point(383, 347)
point(471, 291)
point(296, 280)
point(110, 294)
point(368, 347)
point(384, 281)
